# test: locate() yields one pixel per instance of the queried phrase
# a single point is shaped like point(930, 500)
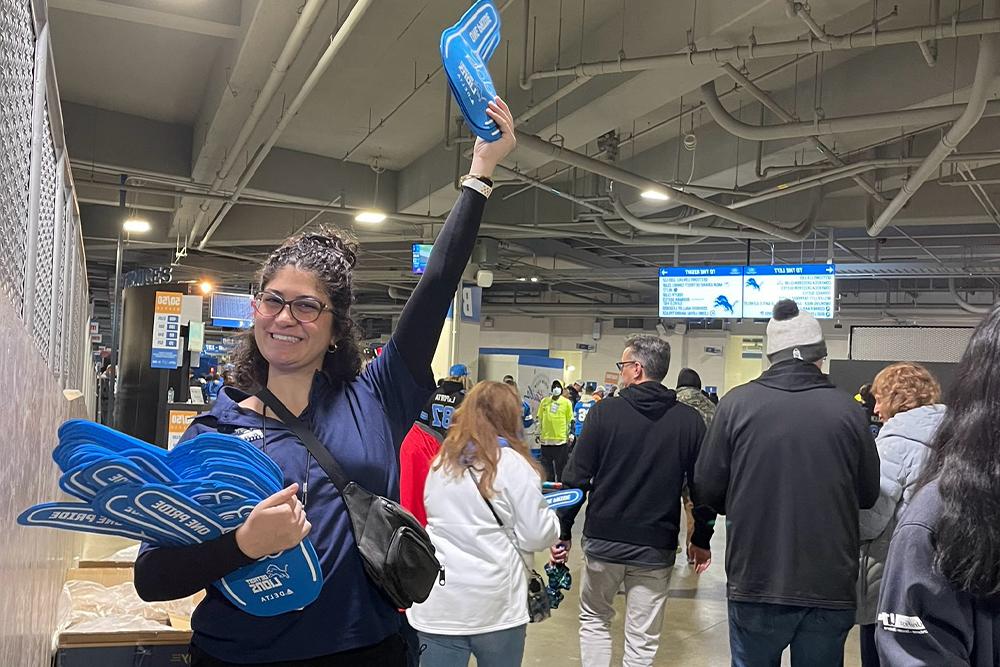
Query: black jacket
point(633, 457)
point(790, 460)
point(923, 619)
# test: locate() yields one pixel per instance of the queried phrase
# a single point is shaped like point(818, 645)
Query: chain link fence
point(42, 265)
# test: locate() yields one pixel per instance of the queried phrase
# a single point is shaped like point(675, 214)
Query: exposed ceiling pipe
point(965, 305)
point(625, 239)
point(337, 41)
point(524, 81)
point(802, 130)
point(614, 173)
point(303, 25)
point(769, 102)
point(793, 9)
point(986, 71)
point(777, 49)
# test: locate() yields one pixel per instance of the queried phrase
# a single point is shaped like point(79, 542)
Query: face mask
point(556, 392)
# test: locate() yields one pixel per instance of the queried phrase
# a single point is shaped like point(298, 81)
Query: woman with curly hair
point(940, 597)
point(486, 517)
point(304, 348)
point(907, 401)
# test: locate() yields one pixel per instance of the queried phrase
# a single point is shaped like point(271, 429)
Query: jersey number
point(442, 416)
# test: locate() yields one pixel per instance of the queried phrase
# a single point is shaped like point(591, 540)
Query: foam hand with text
point(196, 492)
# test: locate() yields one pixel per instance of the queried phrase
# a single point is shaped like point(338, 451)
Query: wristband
point(477, 183)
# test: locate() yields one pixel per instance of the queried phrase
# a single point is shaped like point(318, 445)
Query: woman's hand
point(277, 523)
point(488, 154)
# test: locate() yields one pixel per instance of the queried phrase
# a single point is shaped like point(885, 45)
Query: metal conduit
point(303, 25)
point(532, 143)
point(986, 70)
point(965, 305)
point(337, 41)
point(862, 123)
point(777, 49)
point(625, 239)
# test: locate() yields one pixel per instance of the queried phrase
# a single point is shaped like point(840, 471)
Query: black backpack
point(396, 551)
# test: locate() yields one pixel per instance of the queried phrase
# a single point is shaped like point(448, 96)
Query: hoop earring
point(330, 349)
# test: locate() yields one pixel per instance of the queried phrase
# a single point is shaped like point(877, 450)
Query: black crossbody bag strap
point(308, 438)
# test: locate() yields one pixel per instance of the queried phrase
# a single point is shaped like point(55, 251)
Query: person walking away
point(632, 458)
point(789, 460)
point(907, 401)
point(598, 393)
point(940, 589)
point(555, 419)
point(484, 467)
point(689, 393)
point(582, 408)
point(424, 438)
point(573, 392)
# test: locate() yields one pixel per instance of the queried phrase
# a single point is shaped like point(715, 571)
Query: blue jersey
point(580, 412)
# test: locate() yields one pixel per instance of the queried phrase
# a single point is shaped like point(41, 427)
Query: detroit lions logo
point(754, 284)
point(722, 301)
point(276, 572)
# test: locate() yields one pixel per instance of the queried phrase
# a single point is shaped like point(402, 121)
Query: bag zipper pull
point(441, 577)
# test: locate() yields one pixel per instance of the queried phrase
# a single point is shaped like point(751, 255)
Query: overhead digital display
point(746, 291)
point(811, 286)
point(701, 292)
point(231, 310)
point(421, 253)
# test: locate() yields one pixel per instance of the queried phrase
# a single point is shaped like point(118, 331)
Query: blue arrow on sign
point(566, 498)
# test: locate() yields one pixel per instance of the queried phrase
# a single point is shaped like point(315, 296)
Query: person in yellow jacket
point(555, 418)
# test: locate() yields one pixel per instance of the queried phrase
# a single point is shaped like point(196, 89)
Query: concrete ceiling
point(159, 90)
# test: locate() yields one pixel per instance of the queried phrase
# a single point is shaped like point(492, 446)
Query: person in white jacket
point(482, 609)
point(907, 400)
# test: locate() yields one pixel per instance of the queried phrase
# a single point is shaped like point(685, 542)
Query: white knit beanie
point(794, 334)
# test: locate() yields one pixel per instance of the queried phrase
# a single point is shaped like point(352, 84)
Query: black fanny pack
point(396, 551)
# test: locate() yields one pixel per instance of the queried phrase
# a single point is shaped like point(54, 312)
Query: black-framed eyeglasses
point(305, 309)
point(622, 364)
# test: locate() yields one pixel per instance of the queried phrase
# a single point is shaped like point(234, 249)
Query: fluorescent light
point(136, 226)
point(522, 279)
point(370, 217)
point(655, 195)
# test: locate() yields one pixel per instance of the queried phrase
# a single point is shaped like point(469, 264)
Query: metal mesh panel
point(922, 344)
point(16, 67)
point(46, 232)
point(79, 335)
point(59, 296)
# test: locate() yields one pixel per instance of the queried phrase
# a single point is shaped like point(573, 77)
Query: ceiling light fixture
point(522, 279)
point(205, 287)
point(136, 226)
point(655, 195)
point(370, 217)
point(534, 279)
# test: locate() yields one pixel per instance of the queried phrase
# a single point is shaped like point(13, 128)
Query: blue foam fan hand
point(202, 489)
point(466, 47)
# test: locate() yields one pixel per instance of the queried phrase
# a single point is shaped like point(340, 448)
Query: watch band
point(476, 183)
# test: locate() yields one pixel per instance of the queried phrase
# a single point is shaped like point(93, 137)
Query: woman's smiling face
point(286, 343)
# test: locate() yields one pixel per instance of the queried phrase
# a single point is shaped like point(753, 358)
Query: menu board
point(701, 292)
point(746, 291)
point(232, 310)
point(811, 286)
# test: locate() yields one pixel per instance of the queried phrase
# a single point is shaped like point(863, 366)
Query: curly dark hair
point(330, 255)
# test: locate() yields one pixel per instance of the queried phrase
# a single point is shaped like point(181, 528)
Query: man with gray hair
point(633, 456)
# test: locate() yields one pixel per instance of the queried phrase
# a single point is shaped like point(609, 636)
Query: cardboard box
point(158, 648)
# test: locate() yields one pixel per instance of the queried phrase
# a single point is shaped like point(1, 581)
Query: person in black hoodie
point(789, 460)
point(633, 457)
point(940, 597)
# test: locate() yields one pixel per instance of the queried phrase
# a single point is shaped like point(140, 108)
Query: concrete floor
point(695, 630)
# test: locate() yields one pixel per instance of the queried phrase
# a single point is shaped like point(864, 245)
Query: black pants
point(389, 653)
point(554, 459)
point(869, 654)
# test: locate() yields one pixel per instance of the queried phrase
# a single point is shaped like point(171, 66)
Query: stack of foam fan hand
point(196, 492)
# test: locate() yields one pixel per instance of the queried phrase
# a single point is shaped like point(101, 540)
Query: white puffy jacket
point(486, 584)
point(903, 448)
